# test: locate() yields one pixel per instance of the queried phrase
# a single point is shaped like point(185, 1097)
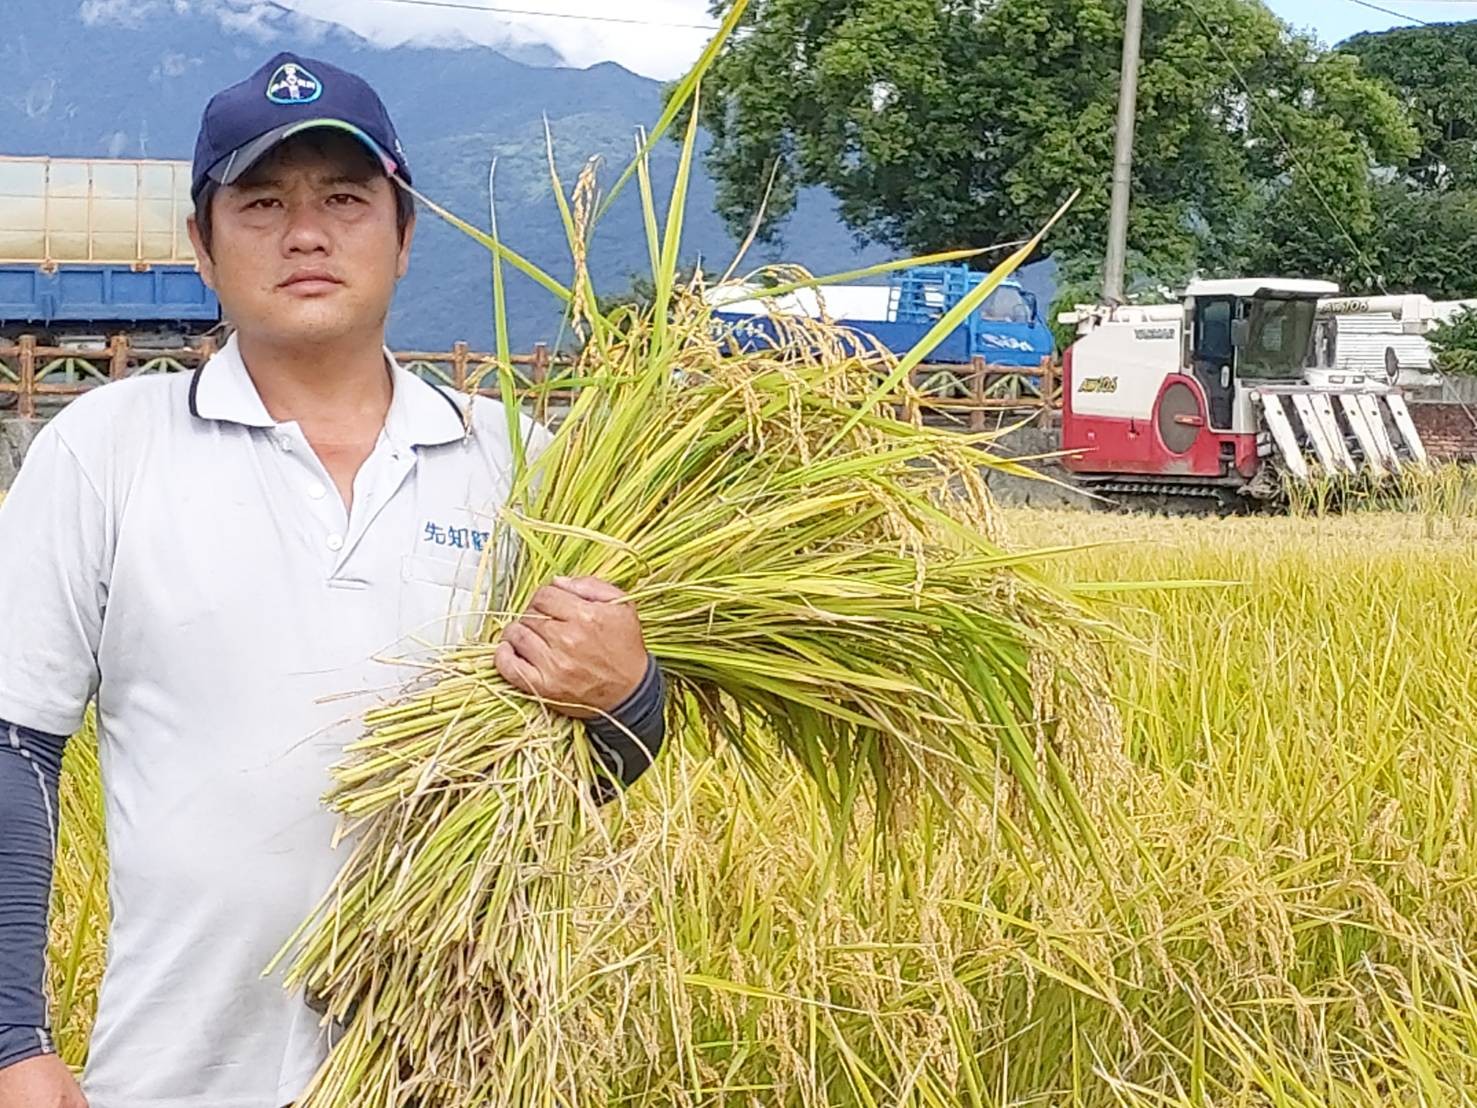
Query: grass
point(1283, 917)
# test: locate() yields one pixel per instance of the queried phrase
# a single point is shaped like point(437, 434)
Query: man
point(237, 564)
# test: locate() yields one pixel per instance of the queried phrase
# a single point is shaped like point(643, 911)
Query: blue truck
point(1009, 330)
point(95, 247)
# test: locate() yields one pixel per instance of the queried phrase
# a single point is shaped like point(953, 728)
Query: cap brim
point(234, 166)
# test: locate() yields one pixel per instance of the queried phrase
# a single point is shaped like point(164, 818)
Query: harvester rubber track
point(1172, 499)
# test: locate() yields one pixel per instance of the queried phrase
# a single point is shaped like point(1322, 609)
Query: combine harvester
point(1009, 330)
point(1226, 397)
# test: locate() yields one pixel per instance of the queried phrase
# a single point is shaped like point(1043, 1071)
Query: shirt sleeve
point(628, 742)
point(30, 774)
point(54, 538)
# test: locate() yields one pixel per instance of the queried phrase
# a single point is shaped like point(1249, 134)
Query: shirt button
point(335, 543)
point(284, 442)
point(317, 492)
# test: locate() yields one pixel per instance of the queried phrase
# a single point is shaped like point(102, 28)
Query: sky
point(657, 38)
point(1335, 20)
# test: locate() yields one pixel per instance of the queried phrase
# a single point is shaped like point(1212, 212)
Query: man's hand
point(41, 1082)
point(578, 646)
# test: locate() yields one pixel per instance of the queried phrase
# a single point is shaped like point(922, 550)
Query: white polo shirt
point(174, 550)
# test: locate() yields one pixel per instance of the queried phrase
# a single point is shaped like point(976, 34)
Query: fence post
point(1048, 392)
point(977, 394)
point(26, 405)
point(540, 375)
point(118, 358)
point(459, 366)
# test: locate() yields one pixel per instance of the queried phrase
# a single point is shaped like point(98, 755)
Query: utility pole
point(1128, 98)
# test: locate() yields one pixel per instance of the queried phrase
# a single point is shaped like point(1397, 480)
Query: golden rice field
point(1282, 912)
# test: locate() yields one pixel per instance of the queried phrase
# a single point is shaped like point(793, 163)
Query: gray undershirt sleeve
point(629, 742)
point(30, 776)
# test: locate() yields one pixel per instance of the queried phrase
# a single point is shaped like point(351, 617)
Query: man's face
point(305, 248)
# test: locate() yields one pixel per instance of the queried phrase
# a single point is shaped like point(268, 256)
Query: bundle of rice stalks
point(815, 576)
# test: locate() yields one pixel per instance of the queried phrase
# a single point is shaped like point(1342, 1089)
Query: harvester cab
point(1231, 392)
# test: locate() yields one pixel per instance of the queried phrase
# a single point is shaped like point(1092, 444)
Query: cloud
point(129, 13)
point(259, 21)
point(254, 17)
point(655, 46)
point(661, 41)
point(174, 65)
point(262, 20)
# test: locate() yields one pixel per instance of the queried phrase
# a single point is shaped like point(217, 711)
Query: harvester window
point(1213, 331)
point(1279, 338)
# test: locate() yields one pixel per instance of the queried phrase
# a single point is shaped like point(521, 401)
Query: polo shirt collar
point(223, 391)
point(421, 414)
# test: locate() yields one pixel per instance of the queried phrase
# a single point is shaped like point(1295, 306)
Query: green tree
point(1456, 345)
point(1426, 214)
point(948, 123)
point(1427, 241)
point(1434, 72)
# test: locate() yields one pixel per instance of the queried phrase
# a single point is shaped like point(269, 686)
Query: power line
point(485, 9)
point(1286, 146)
point(1390, 11)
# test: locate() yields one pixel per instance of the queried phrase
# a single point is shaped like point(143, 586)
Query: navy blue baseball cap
point(289, 95)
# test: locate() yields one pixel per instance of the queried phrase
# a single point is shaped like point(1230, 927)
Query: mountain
point(131, 77)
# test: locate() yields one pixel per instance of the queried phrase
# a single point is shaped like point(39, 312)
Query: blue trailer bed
point(93, 293)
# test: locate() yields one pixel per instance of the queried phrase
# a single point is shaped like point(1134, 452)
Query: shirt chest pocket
point(439, 596)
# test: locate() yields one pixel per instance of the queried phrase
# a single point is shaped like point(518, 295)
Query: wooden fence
point(33, 376)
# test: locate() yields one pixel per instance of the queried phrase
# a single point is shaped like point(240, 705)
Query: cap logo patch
point(292, 84)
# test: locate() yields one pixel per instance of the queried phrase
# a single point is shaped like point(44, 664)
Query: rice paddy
point(1282, 915)
point(961, 807)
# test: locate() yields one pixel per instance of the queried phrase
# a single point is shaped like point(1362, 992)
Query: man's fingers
point(590, 588)
point(557, 603)
point(515, 671)
point(530, 644)
point(569, 598)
